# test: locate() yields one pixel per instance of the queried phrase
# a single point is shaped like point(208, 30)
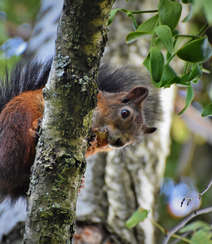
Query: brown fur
point(18, 140)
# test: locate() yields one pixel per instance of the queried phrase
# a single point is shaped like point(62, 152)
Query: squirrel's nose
point(117, 143)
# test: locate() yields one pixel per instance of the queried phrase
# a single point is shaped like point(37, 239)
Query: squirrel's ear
point(148, 130)
point(136, 95)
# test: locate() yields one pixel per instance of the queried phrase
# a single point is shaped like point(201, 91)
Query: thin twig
point(203, 29)
point(165, 231)
point(157, 225)
point(145, 11)
point(182, 223)
point(197, 196)
point(181, 238)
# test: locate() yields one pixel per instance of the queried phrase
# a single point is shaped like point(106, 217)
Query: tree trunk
point(70, 96)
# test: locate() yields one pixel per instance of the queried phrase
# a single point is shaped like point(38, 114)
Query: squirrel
point(124, 109)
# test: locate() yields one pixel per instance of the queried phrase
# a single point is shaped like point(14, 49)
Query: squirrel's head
point(121, 114)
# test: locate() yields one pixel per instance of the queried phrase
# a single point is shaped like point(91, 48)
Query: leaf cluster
point(199, 231)
point(192, 49)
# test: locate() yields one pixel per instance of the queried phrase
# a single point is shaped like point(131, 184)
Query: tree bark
point(70, 97)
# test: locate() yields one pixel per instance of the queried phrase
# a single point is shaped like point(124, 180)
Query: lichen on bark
point(70, 97)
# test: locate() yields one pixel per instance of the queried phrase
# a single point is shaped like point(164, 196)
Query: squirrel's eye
point(125, 113)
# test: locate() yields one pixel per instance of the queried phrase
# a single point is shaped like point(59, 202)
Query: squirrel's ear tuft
point(148, 130)
point(136, 95)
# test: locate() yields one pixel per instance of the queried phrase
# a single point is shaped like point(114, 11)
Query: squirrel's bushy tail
point(24, 77)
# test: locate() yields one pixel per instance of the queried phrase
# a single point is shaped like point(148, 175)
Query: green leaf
point(192, 75)
point(196, 51)
point(158, 43)
point(205, 71)
point(189, 99)
point(194, 226)
point(149, 25)
point(138, 216)
point(165, 35)
point(207, 5)
point(175, 80)
point(146, 63)
point(189, 16)
point(157, 65)
point(184, 79)
point(169, 13)
point(168, 56)
point(133, 36)
point(113, 13)
point(154, 61)
point(207, 110)
point(196, 73)
point(187, 1)
point(134, 22)
point(169, 76)
point(175, 32)
point(145, 29)
point(202, 236)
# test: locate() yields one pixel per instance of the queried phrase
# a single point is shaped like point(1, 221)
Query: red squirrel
point(124, 113)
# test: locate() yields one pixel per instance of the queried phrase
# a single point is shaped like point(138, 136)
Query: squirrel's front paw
point(97, 141)
point(92, 141)
point(100, 137)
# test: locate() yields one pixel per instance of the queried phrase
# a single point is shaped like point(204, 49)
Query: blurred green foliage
point(20, 11)
point(12, 14)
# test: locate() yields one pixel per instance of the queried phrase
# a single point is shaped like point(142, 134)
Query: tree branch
point(70, 97)
point(198, 196)
point(182, 223)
